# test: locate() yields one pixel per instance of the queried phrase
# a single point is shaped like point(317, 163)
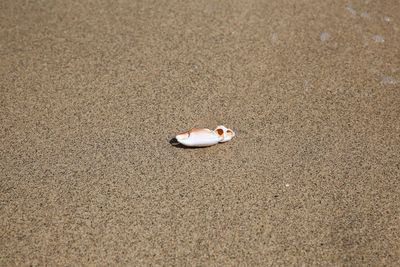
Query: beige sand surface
point(91, 92)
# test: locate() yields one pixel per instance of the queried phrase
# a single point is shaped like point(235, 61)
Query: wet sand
point(92, 92)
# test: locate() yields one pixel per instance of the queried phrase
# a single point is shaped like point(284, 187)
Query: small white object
point(378, 38)
point(352, 11)
point(324, 36)
point(365, 15)
point(204, 137)
point(389, 80)
point(274, 38)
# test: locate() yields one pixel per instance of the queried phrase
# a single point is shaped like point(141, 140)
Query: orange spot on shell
point(220, 131)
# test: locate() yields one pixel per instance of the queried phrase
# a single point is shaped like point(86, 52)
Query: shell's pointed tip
point(230, 133)
point(226, 133)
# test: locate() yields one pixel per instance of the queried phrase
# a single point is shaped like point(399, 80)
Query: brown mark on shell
point(230, 133)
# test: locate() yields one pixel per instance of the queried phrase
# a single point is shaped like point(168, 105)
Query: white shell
point(205, 137)
point(228, 134)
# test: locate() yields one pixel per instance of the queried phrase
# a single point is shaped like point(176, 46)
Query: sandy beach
point(91, 93)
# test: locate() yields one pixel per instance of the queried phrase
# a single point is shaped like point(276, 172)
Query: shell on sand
point(204, 137)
